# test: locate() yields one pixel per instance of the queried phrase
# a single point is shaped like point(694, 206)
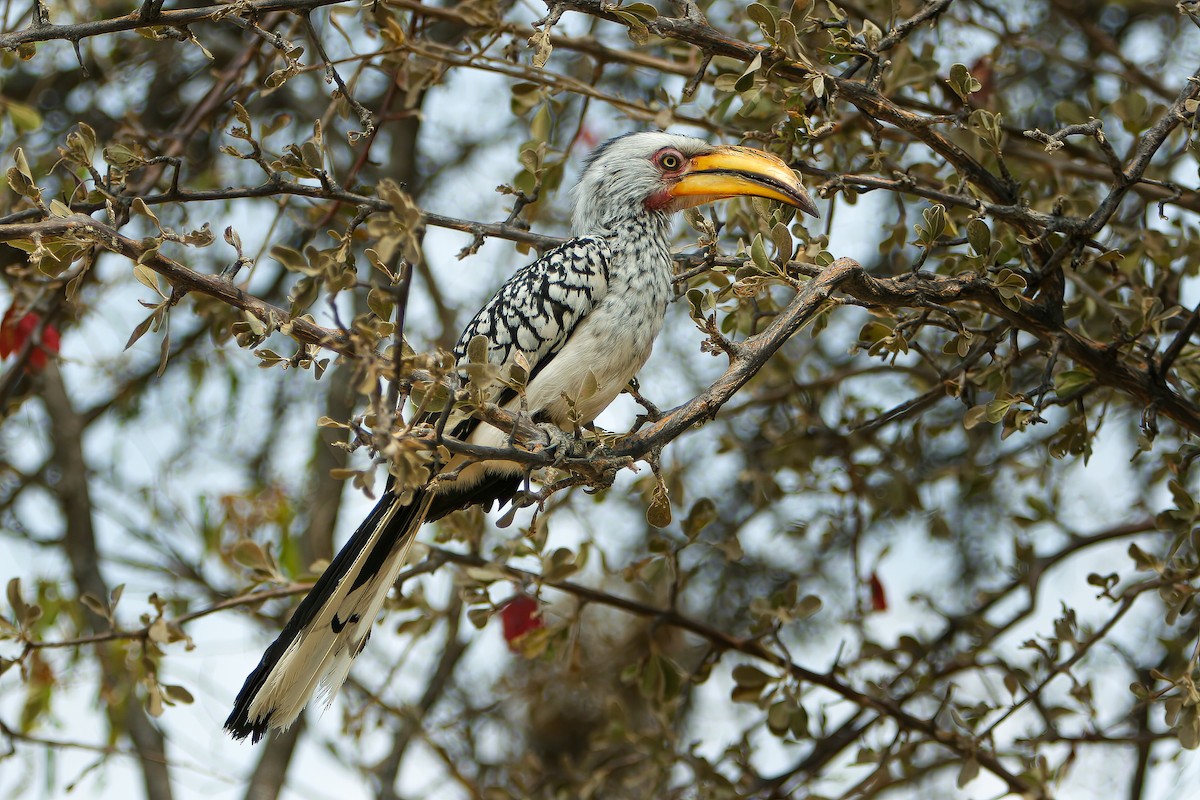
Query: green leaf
point(559, 565)
point(763, 18)
point(138, 206)
point(638, 33)
point(148, 278)
point(177, 694)
point(122, 157)
point(24, 118)
point(758, 253)
point(250, 554)
point(702, 513)
point(1144, 561)
point(799, 722)
point(799, 11)
point(643, 10)
point(381, 303)
point(95, 604)
point(1183, 500)
point(974, 416)
point(658, 512)
point(22, 184)
point(477, 349)
point(746, 81)
point(750, 677)
point(292, 260)
point(1070, 381)
point(809, 605)
point(702, 303)
point(242, 115)
point(979, 236)
point(779, 717)
point(998, 408)
point(962, 83)
point(141, 329)
point(14, 598)
point(871, 34)
point(22, 164)
point(934, 227)
point(1009, 285)
point(968, 772)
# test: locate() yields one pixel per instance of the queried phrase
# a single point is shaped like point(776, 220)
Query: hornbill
point(590, 307)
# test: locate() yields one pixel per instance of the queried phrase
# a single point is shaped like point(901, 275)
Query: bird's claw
point(600, 450)
point(561, 444)
point(538, 436)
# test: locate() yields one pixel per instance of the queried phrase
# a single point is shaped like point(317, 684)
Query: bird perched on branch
point(585, 314)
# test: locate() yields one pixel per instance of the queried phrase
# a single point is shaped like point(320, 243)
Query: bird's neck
point(640, 242)
point(594, 217)
point(640, 266)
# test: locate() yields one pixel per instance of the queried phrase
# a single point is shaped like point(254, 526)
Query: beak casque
point(730, 171)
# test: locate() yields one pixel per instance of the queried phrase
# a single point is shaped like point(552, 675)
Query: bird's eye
point(670, 161)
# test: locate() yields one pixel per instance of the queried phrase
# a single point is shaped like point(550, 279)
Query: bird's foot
point(561, 444)
point(599, 450)
point(532, 432)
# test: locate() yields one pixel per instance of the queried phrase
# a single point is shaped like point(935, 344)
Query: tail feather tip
point(240, 726)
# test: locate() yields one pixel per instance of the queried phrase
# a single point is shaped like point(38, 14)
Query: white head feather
point(620, 175)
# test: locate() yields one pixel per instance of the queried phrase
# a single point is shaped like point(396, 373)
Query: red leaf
point(520, 615)
point(878, 595)
point(14, 333)
point(8, 335)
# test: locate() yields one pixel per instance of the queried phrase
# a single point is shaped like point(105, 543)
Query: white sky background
point(208, 765)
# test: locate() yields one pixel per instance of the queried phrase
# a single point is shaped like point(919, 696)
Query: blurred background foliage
point(943, 543)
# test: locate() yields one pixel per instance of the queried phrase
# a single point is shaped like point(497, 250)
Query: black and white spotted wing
point(537, 308)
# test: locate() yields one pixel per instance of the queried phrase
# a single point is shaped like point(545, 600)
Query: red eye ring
point(670, 160)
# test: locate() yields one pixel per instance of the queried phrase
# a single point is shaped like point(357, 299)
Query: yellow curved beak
point(737, 172)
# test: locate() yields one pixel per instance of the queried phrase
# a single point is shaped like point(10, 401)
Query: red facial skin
point(671, 171)
point(15, 332)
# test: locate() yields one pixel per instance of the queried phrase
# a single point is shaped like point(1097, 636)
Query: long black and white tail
point(332, 623)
